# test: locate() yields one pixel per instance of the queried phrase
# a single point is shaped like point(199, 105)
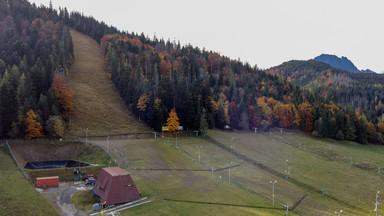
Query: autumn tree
point(142, 103)
point(64, 93)
point(34, 128)
point(173, 121)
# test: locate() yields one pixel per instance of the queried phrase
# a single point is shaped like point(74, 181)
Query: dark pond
point(55, 164)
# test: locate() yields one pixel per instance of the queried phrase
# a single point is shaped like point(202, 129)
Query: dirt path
point(98, 106)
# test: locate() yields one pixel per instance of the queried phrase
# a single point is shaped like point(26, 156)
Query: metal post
point(86, 135)
point(273, 192)
point(108, 143)
point(229, 171)
point(199, 152)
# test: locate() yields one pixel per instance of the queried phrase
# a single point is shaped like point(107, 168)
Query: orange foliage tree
point(306, 119)
point(173, 121)
point(34, 128)
point(64, 93)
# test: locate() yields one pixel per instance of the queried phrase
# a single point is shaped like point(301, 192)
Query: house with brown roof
point(114, 186)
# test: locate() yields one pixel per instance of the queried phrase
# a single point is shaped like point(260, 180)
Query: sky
point(265, 33)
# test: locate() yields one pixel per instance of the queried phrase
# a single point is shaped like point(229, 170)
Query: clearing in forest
point(98, 106)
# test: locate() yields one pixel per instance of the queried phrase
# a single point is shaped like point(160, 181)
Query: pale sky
point(262, 32)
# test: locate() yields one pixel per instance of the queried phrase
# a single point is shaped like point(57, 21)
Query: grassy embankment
point(17, 195)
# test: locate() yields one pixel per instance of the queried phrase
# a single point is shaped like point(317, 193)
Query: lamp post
point(286, 214)
point(339, 213)
point(376, 204)
point(176, 138)
point(273, 191)
point(199, 152)
point(229, 171)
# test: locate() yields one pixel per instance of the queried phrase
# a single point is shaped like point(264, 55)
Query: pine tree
point(361, 130)
point(203, 123)
point(8, 105)
point(350, 131)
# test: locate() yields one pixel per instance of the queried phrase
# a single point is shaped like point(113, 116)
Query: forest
point(157, 78)
point(36, 51)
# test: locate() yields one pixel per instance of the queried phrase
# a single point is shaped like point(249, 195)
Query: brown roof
point(114, 186)
point(115, 171)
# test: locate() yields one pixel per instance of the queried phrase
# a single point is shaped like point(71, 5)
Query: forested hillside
point(35, 50)
point(206, 89)
point(363, 92)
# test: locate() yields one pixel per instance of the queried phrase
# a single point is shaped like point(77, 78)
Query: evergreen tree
point(350, 130)
point(361, 130)
point(203, 123)
point(8, 105)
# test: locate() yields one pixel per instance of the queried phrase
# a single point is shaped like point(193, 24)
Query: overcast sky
point(262, 32)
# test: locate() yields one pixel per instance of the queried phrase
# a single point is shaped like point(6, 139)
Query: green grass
point(83, 201)
point(17, 195)
point(183, 186)
point(349, 188)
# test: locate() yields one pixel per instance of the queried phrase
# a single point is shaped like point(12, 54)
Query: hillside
point(360, 91)
point(98, 106)
point(18, 196)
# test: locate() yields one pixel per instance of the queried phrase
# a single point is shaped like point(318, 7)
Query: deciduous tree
point(34, 128)
point(173, 121)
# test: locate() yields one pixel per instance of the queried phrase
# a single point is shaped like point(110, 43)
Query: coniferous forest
point(154, 76)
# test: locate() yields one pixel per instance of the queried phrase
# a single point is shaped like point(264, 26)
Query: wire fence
point(17, 163)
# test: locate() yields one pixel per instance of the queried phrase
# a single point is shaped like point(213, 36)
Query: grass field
point(161, 171)
point(17, 195)
point(98, 106)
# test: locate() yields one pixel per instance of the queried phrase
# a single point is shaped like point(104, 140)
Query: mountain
point(342, 63)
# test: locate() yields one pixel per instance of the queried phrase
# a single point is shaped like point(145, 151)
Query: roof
point(50, 177)
point(115, 171)
point(114, 186)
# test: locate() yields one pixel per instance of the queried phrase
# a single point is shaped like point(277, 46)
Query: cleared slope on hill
point(98, 106)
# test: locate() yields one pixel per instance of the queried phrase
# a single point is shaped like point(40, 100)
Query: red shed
point(51, 181)
point(114, 186)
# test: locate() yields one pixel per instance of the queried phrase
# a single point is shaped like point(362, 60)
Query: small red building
point(114, 186)
point(51, 181)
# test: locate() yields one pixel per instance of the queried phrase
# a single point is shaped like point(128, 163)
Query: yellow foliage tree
point(59, 129)
point(142, 103)
point(173, 121)
point(34, 128)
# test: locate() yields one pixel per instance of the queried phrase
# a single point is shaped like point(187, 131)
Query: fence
point(17, 163)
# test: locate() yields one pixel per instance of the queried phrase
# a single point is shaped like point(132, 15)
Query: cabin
point(114, 186)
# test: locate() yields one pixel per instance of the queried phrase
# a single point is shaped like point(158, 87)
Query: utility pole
point(273, 191)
